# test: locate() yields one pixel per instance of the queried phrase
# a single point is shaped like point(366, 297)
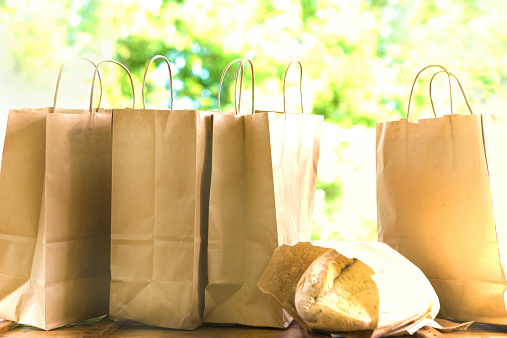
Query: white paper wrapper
point(407, 301)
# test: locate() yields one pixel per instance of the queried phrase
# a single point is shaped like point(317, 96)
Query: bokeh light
point(360, 58)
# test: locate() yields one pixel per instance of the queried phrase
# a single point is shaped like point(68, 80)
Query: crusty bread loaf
point(284, 271)
point(337, 294)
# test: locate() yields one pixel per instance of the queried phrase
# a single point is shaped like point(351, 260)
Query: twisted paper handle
point(170, 77)
point(60, 77)
point(241, 84)
point(240, 71)
point(413, 85)
point(300, 84)
point(221, 81)
point(460, 87)
point(126, 70)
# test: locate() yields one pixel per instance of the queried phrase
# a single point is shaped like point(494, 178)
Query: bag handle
point(60, 77)
point(300, 84)
point(126, 70)
point(413, 85)
point(235, 88)
point(240, 69)
point(460, 87)
point(241, 84)
point(170, 77)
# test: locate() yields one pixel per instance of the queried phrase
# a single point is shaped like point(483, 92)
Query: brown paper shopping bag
point(55, 187)
point(159, 215)
point(441, 198)
point(261, 195)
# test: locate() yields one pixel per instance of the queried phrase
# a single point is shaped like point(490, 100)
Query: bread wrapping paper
point(55, 190)
point(405, 302)
point(441, 202)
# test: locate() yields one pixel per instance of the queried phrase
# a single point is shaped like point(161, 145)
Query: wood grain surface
point(104, 327)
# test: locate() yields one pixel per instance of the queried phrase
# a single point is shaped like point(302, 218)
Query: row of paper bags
point(164, 217)
point(200, 200)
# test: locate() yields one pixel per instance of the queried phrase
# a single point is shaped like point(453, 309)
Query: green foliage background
point(360, 58)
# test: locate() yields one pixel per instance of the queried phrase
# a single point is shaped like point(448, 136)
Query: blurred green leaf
point(359, 57)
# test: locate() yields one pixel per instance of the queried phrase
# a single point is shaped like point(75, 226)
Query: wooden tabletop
point(104, 327)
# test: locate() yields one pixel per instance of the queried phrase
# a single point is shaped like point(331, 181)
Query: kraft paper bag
point(441, 197)
point(55, 188)
point(160, 190)
point(261, 195)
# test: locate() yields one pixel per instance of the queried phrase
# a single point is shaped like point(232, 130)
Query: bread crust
point(284, 271)
point(337, 294)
